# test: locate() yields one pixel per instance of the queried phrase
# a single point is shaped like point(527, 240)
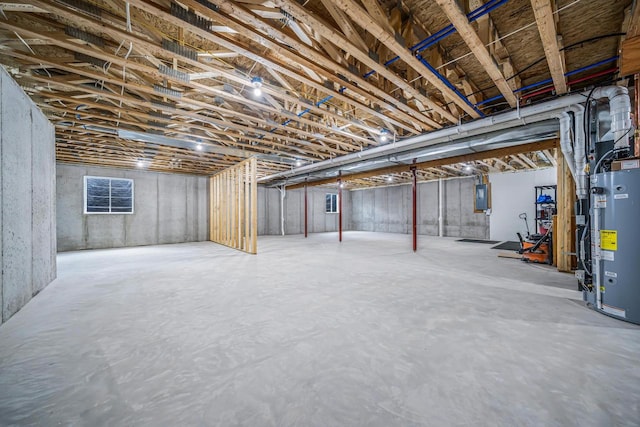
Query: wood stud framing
point(565, 225)
point(233, 212)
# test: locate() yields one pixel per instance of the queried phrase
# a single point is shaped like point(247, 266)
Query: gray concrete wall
point(168, 208)
point(27, 199)
point(318, 221)
point(388, 209)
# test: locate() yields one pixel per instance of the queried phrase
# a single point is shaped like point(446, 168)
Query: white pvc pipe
point(565, 141)
point(620, 110)
point(283, 193)
point(440, 207)
point(580, 162)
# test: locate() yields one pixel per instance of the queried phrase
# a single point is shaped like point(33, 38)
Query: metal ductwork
point(454, 140)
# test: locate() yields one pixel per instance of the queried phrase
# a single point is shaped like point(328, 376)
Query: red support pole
point(415, 209)
point(305, 209)
point(340, 209)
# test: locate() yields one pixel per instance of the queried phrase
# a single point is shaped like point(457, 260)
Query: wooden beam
point(345, 25)
point(550, 157)
point(527, 160)
point(566, 195)
point(387, 38)
point(634, 25)
point(630, 61)
point(543, 12)
point(378, 14)
point(471, 38)
point(249, 51)
point(118, 34)
point(500, 152)
point(341, 42)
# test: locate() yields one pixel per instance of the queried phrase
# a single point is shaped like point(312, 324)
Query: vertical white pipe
point(440, 207)
point(283, 192)
point(579, 155)
point(620, 110)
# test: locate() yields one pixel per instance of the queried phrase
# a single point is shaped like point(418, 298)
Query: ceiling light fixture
point(256, 82)
point(298, 162)
point(389, 179)
point(384, 135)
point(140, 163)
point(468, 168)
point(199, 146)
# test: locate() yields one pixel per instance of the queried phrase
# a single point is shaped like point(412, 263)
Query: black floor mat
point(507, 246)
point(491, 242)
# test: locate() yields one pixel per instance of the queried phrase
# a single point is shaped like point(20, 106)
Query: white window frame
point(86, 177)
point(337, 196)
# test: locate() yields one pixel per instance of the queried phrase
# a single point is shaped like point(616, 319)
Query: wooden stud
point(233, 209)
point(566, 195)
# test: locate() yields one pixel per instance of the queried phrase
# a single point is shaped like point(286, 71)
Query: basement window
point(331, 203)
point(108, 195)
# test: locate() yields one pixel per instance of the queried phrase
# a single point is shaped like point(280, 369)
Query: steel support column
point(340, 209)
point(305, 208)
point(414, 190)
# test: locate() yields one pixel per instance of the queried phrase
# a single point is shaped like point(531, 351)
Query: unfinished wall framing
point(234, 207)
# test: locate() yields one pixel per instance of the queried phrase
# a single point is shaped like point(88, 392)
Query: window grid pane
point(108, 195)
point(331, 203)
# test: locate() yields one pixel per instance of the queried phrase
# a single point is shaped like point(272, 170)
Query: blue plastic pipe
point(546, 81)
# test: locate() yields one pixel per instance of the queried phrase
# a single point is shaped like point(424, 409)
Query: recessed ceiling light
point(140, 163)
point(199, 146)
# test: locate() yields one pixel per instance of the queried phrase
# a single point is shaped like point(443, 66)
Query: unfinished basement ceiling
point(169, 85)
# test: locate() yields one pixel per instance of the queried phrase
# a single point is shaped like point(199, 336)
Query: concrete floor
point(315, 333)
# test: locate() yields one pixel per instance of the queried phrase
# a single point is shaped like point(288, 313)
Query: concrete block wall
point(318, 221)
point(27, 199)
point(168, 208)
point(388, 209)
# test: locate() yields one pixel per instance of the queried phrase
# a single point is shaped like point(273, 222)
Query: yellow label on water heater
point(609, 240)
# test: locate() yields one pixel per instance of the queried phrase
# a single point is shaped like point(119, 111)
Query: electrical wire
point(582, 238)
point(499, 39)
point(586, 119)
point(612, 151)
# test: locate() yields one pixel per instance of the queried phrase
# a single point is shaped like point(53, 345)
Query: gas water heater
point(608, 213)
point(615, 236)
